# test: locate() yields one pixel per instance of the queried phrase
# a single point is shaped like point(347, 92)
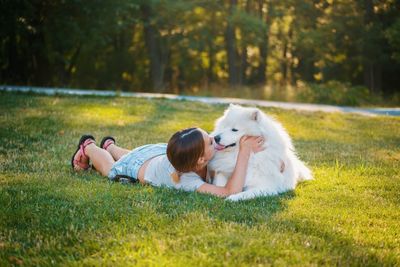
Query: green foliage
point(336, 93)
point(252, 28)
point(51, 216)
point(177, 45)
point(393, 36)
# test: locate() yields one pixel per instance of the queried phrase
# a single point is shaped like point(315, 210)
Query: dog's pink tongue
point(218, 146)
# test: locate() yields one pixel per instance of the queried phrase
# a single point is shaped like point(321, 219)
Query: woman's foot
point(106, 142)
point(80, 161)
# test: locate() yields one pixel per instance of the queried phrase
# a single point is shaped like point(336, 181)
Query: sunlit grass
point(105, 115)
point(51, 216)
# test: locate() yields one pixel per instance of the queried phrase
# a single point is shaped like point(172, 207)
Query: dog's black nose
point(217, 138)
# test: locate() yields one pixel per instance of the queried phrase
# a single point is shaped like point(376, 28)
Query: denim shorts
point(128, 165)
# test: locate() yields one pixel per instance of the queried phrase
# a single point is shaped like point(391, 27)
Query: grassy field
point(349, 215)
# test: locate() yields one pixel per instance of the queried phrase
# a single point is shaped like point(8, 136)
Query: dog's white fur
point(263, 173)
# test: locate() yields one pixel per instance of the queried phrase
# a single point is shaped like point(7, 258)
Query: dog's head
point(236, 122)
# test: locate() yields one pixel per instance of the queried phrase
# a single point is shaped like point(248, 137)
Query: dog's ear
point(255, 115)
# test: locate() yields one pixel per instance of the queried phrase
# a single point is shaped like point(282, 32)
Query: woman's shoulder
point(189, 181)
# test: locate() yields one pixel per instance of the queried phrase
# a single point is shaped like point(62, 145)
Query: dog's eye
point(234, 130)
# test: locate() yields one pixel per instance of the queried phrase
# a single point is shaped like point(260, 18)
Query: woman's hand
point(235, 184)
point(251, 143)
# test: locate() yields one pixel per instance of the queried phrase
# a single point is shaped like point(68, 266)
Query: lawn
point(348, 215)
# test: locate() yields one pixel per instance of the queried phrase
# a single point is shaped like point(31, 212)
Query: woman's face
point(209, 149)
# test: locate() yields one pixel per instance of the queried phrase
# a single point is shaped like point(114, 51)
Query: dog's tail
point(304, 173)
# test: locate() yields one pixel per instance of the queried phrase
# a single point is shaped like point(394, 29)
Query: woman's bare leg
point(101, 159)
point(116, 151)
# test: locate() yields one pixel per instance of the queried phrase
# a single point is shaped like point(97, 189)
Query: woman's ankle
point(110, 148)
point(108, 144)
point(88, 149)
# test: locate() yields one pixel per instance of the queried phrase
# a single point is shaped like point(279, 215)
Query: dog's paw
point(234, 198)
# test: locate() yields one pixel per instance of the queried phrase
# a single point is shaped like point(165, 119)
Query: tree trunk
point(11, 71)
point(264, 45)
point(306, 68)
point(371, 67)
point(230, 39)
point(41, 67)
point(70, 66)
point(285, 60)
point(244, 63)
point(373, 76)
point(152, 40)
point(284, 63)
point(211, 51)
point(211, 55)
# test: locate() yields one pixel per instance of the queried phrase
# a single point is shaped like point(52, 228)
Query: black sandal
point(82, 140)
point(104, 140)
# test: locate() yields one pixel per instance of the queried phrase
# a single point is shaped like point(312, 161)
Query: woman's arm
point(236, 182)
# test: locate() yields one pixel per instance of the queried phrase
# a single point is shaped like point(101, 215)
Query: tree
point(173, 45)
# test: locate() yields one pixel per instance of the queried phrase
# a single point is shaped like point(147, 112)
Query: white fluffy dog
point(272, 171)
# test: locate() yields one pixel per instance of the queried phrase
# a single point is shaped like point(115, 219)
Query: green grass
point(349, 215)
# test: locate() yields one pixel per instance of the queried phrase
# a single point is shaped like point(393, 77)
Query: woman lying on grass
point(181, 164)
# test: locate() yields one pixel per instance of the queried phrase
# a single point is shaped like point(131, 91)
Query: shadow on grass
point(52, 218)
point(47, 216)
point(251, 212)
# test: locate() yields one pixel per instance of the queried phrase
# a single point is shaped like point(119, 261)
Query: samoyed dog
point(274, 170)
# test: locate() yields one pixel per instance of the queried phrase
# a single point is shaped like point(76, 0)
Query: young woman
point(181, 164)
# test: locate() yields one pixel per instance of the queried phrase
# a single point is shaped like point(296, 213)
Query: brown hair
point(185, 148)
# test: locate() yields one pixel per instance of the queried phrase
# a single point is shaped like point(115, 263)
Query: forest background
point(333, 51)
